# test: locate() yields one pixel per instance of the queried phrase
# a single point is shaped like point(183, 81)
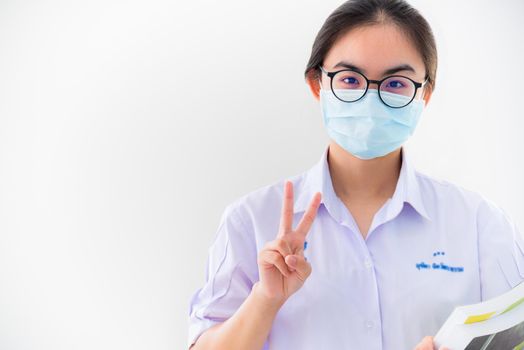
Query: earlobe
point(426, 96)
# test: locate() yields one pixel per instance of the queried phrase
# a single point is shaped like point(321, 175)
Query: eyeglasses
point(395, 91)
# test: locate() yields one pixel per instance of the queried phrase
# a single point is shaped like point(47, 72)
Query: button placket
point(368, 263)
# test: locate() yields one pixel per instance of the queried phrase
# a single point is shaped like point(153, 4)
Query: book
point(497, 323)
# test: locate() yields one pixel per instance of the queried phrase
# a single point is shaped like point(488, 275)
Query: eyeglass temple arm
point(320, 78)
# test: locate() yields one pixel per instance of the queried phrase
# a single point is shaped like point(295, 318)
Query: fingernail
point(292, 261)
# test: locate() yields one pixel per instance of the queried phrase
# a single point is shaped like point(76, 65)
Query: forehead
point(374, 49)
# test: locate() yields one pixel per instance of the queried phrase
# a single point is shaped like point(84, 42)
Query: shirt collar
point(318, 179)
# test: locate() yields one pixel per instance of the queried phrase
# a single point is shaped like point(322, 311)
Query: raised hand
point(281, 263)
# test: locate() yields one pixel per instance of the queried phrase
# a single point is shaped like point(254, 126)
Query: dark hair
point(355, 13)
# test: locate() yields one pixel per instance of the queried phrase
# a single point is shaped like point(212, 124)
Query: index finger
point(309, 216)
point(286, 218)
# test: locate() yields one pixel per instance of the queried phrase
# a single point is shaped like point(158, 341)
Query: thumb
point(298, 264)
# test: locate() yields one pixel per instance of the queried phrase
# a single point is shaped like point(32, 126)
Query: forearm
point(247, 329)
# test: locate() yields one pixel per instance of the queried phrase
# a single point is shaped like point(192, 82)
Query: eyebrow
point(392, 70)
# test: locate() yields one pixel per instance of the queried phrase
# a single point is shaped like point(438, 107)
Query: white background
point(126, 127)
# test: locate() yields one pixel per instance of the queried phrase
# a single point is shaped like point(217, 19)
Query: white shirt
point(433, 246)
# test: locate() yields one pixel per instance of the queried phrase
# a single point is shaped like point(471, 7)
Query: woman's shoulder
point(268, 196)
point(458, 196)
point(259, 210)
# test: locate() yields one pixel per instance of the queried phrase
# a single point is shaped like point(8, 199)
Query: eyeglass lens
point(395, 91)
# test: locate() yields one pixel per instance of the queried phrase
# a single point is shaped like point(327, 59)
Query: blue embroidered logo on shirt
point(439, 266)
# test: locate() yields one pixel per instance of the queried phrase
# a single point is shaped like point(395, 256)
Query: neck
point(358, 179)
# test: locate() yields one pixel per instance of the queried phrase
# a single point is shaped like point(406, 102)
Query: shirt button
point(367, 263)
point(369, 324)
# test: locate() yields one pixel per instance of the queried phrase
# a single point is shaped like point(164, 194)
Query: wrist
point(268, 301)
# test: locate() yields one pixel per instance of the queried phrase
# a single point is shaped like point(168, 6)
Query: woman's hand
point(281, 263)
point(427, 344)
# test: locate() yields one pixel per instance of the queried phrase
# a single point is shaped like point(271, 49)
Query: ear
point(427, 95)
point(312, 80)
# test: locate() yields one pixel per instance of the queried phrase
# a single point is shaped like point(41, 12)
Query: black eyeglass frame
point(378, 82)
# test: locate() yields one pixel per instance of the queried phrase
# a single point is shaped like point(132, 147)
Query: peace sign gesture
point(281, 263)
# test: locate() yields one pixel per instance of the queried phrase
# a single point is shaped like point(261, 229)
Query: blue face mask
point(368, 128)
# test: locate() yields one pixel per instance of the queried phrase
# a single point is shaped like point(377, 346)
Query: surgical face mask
point(367, 128)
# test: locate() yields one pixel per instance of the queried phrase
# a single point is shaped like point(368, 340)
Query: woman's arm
point(248, 328)
point(283, 270)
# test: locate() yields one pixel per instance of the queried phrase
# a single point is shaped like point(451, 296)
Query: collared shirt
point(432, 246)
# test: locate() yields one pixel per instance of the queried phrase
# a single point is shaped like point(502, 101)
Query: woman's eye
point(395, 84)
point(350, 80)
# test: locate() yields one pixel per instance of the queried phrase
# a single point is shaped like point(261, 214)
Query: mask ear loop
point(320, 79)
point(423, 88)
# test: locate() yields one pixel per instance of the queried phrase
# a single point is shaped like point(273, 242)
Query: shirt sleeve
point(231, 271)
point(501, 251)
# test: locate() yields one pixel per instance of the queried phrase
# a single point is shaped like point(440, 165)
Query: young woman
point(361, 251)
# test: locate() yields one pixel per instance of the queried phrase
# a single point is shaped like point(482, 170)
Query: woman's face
point(374, 50)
